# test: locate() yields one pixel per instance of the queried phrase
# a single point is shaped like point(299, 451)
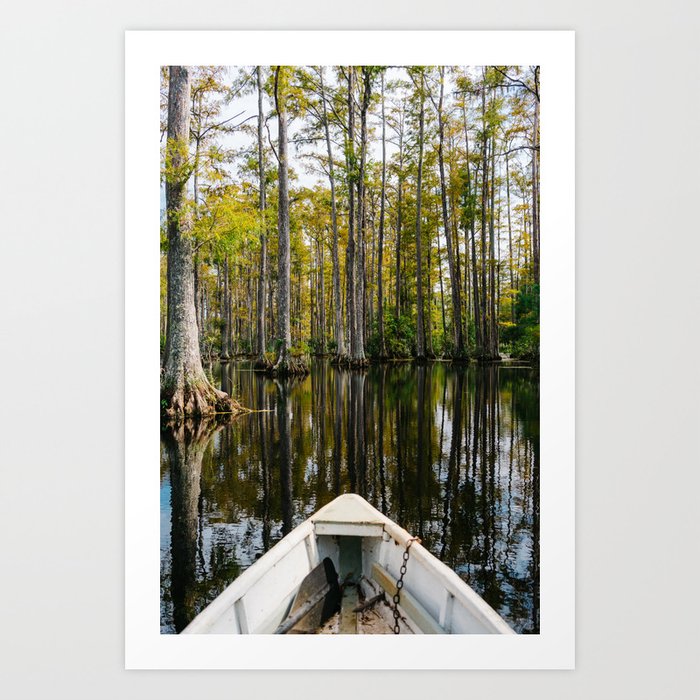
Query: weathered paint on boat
point(366, 547)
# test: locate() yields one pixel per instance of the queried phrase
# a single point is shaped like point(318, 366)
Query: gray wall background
point(62, 331)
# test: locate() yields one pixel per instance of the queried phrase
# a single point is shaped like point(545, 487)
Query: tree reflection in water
point(450, 453)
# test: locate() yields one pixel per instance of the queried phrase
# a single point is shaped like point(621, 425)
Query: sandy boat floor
point(368, 622)
point(377, 619)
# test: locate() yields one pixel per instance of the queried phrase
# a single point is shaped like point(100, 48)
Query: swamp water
point(449, 453)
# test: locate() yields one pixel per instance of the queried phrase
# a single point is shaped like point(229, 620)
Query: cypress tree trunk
point(197, 314)
point(510, 245)
point(284, 333)
point(442, 290)
point(249, 299)
point(313, 290)
point(226, 327)
point(202, 302)
point(185, 389)
point(493, 318)
point(234, 299)
point(484, 222)
point(340, 352)
point(261, 360)
point(420, 329)
point(498, 269)
point(536, 184)
point(399, 212)
point(462, 277)
point(479, 340)
point(285, 363)
point(195, 192)
point(358, 355)
point(321, 300)
point(271, 320)
point(453, 268)
point(380, 252)
point(350, 252)
point(370, 270)
point(429, 324)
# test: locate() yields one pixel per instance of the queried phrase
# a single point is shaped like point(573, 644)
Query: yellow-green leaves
point(178, 166)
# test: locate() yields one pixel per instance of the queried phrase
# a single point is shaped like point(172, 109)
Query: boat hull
point(367, 550)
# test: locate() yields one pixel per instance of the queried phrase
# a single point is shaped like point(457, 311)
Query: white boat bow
point(367, 549)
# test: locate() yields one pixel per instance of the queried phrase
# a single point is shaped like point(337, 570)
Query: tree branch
point(519, 83)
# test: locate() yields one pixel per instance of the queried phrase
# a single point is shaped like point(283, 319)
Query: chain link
point(399, 584)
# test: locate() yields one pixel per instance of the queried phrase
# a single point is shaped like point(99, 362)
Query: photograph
point(349, 349)
point(347, 299)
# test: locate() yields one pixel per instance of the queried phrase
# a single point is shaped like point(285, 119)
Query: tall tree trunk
point(461, 269)
point(226, 327)
point(322, 299)
point(510, 246)
point(442, 290)
point(479, 340)
point(262, 279)
point(197, 314)
point(185, 389)
point(285, 363)
point(536, 185)
point(338, 331)
point(370, 270)
point(420, 329)
point(456, 293)
point(399, 222)
point(493, 318)
point(484, 221)
point(429, 322)
point(313, 290)
point(234, 332)
point(350, 251)
point(195, 192)
point(249, 300)
point(498, 266)
point(380, 252)
point(358, 357)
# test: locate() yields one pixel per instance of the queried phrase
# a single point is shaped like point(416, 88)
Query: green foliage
point(468, 200)
point(211, 340)
point(225, 225)
point(316, 346)
point(399, 337)
point(528, 346)
point(177, 167)
point(527, 307)
point(522, 338)
point(301, 349)
point(229, 220)
point(443, 345)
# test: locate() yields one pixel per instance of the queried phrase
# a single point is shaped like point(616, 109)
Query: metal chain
point(399, 584)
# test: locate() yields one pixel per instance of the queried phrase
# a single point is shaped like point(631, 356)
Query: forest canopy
point(362, 212)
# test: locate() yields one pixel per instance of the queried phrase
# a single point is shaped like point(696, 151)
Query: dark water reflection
point(451, 454)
